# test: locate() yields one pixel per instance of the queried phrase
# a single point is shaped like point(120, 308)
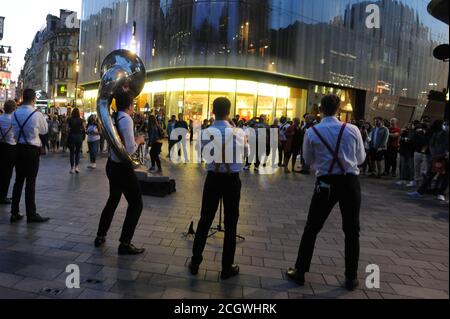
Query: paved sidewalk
point(408, 240)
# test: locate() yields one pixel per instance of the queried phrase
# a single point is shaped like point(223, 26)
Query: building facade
point(272, 57)
point(50, 66)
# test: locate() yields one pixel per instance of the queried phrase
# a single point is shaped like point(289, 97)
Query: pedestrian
point(64, 133)
point(284, 125)
point(7, 150)
point(123, 180)
point(365, 132)
point(335, 150)
point(191, 131)
point(439, 153)
point(75, 139)
point(222, 183)
point(183, 126)
point(292, 145)
point(155, 136)
point(392, 149)
point(406, 152)
point(54, 129)
point(419, 141)
point(93, 139)
point(28, 124)
point(310, 121)
point(170, 128)
point(379, 137)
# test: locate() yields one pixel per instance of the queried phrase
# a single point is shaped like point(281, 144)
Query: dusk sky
point(23, 18)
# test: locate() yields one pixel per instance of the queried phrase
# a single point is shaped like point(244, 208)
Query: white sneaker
point(400, 183)
point(72, 170)
point(441, 198)
point(77, 170)
point(93, 166)
point(411, 184)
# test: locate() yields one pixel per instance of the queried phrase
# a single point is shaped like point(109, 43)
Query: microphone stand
point(219, 228)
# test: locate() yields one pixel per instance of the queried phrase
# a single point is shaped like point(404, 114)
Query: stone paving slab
point(408, 240)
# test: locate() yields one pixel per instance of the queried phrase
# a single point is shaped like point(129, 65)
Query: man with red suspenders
point(335, 150)
point(28, 124)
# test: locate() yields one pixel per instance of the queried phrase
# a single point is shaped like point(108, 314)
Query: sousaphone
point(121, 71)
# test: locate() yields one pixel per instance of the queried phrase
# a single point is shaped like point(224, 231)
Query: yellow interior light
point(175, 85)
point(197, 85)
point(247, 87)
point(283, 92)
point(222, 85)
point(267, 90)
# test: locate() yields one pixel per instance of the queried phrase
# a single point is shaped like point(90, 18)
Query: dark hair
point(221, 107)
point(10, 106)
point(75, 113)
point(123, 101)
point(28, 95)
point(330, 104)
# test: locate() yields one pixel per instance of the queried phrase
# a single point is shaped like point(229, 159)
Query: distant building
point(50, 66)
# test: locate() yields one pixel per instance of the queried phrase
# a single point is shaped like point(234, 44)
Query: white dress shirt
point(36, 125)
point(7, 130)
point(351, 152)
point(234, 139)
point(125, 127)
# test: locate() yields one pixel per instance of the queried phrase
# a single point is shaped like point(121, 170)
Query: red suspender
point(334, 152)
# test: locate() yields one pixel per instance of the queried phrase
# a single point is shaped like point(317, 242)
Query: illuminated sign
point(62, 90)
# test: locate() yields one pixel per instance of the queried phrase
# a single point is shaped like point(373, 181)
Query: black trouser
point(346, 191)
point(391, 161)
point(122, 180)
point(281, 148)
point(7, 162)
point(154, 154)
point(294, 154)
point(75, 144)
point(217, 187)
point(27, 167)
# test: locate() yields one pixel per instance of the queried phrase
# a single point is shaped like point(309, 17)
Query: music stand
point(219, 228)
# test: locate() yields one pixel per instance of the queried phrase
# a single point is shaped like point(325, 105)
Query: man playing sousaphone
point(123, 180)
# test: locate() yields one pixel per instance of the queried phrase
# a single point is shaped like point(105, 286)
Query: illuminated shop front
point(193, 97)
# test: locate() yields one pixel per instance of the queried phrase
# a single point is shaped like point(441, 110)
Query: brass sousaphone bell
point(121, 71)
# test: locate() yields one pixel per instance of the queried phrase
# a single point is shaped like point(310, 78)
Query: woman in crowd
point(155, 136)
point(93, 139)
point(54, 129)
point(75, 139)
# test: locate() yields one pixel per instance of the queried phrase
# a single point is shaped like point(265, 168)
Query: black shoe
point(37, 219)
point(16, 217)
point(351, 284)
point(296, 276)
point(193, 268)
point(303, 172)
point(231, 272)
point(99, 241)
point(6, 201)
point(130, 250)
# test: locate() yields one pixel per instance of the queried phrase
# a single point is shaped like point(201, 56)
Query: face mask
point(445, 127)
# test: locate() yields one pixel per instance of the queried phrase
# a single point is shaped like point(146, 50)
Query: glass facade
point(323, 41)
